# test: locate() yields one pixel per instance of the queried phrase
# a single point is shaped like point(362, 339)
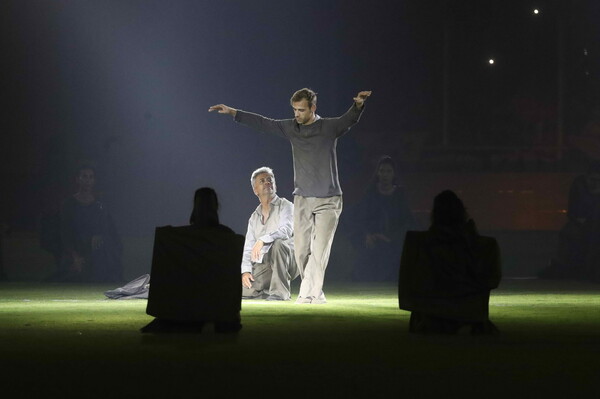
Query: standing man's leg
point(303, 225)
point(325, 214)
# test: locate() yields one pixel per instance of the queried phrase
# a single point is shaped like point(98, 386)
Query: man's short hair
point(262, 169)
point(305, 94)
point(84, 166)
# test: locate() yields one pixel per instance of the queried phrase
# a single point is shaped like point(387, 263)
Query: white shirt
point(278, 226)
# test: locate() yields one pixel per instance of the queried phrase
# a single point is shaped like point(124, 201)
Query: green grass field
point(69, 340)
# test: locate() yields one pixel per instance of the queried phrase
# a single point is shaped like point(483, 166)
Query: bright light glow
point(536, 11)
point(491, 61)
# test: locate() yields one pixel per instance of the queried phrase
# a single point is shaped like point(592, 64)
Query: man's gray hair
point(262, 169)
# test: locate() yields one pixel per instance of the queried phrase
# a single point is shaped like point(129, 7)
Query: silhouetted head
point(206, 207)
point(448, 210)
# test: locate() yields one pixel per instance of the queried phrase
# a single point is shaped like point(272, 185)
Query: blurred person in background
point(383, 219)
point(91, 247)
point(578, 255)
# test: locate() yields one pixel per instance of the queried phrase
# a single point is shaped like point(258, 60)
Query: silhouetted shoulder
point(224, 229)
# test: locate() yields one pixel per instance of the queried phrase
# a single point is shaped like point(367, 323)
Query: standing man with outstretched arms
point(317, 191)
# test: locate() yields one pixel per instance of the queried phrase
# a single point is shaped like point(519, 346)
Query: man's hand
point(256, 250)
point(247, 279)
point(223, 109)
point(361, 97)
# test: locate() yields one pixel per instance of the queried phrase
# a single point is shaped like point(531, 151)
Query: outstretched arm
point(223, 109)
point(346, 121)
point(360, 98)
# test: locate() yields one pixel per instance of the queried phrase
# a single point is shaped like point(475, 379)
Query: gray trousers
point(315, 222)
point(274, 275)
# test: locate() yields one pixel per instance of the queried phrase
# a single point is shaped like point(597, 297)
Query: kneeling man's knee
point(280, 245)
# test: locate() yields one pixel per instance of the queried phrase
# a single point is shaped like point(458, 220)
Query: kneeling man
point(268, 264)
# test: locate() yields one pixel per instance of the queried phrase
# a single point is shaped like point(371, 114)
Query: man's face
point(264, 185)
point(86, 178)
point(302, 112)
point(385, 174)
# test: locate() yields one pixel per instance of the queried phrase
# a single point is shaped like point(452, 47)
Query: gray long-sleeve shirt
point(313, 148)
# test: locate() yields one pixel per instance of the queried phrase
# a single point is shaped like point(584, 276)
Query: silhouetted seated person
point(578, 250)
point(196, 273)
point(90, 244)
point(383, 217)
point(447, 272)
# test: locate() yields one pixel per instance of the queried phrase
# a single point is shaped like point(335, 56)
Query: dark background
point(126, 85)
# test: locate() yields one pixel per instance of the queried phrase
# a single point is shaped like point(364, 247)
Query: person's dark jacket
point(196, 274)
point(448, 272)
